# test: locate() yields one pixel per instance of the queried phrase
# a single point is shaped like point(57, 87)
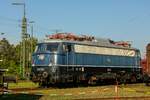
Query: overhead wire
point(9, 19)
point(11, 22)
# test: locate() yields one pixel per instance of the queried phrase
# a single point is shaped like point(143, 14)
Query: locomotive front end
point(40, 69)
point(44, 63)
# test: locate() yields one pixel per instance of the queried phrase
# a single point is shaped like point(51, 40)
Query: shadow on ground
point(20, 97)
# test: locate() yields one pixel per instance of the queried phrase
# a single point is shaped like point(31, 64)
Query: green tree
point(29, 42)
point(10, 55)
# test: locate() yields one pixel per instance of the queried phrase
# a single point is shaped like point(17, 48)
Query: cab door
point(69, 54)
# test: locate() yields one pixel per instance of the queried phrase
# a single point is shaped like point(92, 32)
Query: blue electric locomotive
point(60, 61)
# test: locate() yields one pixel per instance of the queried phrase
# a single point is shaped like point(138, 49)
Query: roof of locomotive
point(98, 42)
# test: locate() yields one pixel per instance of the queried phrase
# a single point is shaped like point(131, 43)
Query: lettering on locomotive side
point(104, 50)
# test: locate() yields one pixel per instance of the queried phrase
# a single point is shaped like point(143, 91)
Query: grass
point(97, 92)
point(22, 84)
point(129, 90)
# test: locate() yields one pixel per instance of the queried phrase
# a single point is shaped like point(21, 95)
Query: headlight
point(33, 65)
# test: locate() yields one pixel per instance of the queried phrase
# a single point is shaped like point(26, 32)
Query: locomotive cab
point(48, 59)
point(44, 61)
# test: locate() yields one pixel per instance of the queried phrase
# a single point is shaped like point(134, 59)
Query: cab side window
point(67, 48)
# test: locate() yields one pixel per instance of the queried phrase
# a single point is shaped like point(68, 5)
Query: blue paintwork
point(102, 60)
point(56, 63)
point(89, 59)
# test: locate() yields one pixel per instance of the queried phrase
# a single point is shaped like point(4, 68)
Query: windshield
point(47, 47)
point(41, 59)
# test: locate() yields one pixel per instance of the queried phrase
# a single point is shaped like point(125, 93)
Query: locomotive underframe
point(98, 74)
point(88, 75)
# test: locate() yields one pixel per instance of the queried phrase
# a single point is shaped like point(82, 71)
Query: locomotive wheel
point(133, 79)
point(92, 80)
point(121, 79)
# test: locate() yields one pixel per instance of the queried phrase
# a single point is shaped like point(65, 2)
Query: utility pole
point(24, 38)
point(1, 46)
point(31, 22)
